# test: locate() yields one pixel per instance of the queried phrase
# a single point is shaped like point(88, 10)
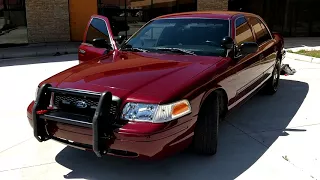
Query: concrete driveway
point(269, 137)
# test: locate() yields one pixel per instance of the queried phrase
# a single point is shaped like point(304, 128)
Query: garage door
point(80, 13)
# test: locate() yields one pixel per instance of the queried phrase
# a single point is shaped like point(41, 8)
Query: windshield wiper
point(130, 48)
point(177, 50)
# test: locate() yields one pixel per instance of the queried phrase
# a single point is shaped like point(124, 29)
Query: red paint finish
point(147, 140)
point(203, 14)
point(160, 79)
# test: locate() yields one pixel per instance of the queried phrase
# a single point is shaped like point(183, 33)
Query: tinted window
point(97, 29)
point(260, 30)
point(243, 32)
point(201, 36)
point(240, 21)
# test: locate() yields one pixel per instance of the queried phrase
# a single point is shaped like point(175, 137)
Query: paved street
point(269, 137)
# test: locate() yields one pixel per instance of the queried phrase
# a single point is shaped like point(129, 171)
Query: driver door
point(98, 27)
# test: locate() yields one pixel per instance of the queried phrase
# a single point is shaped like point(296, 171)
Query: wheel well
point(279, 56)
point(223, 99)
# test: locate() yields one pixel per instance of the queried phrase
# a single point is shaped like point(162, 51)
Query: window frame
point(261, 22)
point(149, 22)
point(238, 54)
point(107, 28)
point(235, 28)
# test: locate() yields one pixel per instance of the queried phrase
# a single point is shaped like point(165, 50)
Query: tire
point(272, 84)
point(205, 139)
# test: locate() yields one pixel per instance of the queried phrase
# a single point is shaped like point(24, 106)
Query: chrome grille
point(58, 98)
point(70, 99)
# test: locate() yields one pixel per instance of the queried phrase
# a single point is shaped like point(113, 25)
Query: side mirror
point(119, 39)
point(101, 43)
point(248, 48)
point(227, 43)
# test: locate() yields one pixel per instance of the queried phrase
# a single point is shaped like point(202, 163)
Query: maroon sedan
point(164, 89)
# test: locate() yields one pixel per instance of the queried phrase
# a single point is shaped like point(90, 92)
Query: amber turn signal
point(180, 108)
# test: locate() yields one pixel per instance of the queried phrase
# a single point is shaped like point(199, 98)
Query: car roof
point(206, 14)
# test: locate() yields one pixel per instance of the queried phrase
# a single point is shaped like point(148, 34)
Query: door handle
point(82, 51)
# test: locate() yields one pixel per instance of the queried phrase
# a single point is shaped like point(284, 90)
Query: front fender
point(223, 99)
point(207, 94)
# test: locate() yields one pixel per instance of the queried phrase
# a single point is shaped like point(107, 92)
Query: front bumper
point(133, 140)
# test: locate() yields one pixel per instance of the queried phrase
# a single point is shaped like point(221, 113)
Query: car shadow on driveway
point(242, 143)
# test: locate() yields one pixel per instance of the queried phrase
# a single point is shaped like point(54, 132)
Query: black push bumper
point(101, 123)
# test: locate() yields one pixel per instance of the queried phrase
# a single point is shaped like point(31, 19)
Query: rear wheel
point(206, 131)
point(273, 83)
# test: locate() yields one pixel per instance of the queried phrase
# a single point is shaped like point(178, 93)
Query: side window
point(243, 31)
point(260, 30)
point(97, 29)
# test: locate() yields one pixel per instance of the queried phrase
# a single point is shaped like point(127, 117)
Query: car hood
point(155, 75)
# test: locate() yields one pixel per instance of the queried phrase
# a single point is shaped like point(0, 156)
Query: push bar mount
point(101, 124)
point(41, 103)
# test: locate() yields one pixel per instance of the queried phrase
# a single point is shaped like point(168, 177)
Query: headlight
point(155, 113)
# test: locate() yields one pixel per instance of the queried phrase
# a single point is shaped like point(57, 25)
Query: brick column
point(47, 20)
point(212, 5)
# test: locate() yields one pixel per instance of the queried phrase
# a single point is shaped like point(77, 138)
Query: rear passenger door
point(267, 49)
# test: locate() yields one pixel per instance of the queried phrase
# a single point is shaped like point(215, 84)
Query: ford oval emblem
point(81, 104)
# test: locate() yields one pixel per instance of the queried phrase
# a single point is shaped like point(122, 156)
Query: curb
point(304, 58)
point(27, 52)
point(307, 48)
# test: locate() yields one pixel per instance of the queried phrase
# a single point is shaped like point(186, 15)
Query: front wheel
point(206, 131)
point(273, 83)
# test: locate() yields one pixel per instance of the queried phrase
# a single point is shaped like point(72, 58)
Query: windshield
point(189, 36)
